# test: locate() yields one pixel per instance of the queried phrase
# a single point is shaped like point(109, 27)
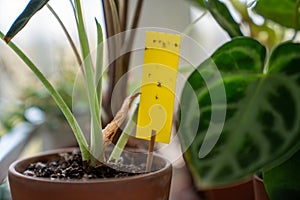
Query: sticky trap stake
point(150, 152)
point(161, 58)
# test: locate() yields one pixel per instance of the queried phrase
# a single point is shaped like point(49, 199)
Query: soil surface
point(71, 166)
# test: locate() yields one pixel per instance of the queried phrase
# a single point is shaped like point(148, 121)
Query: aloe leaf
point(284, 12)
point(32, 7)
point(98, 141)
point(262, 111)
point(96, 129)
point(222, 15)
point(99, 63)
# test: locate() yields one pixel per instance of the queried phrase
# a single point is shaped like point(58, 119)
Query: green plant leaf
point(262, 111)
point(96, 129)
point(32, 7)
point(222, 15)
point(99, 63)
point(282, 182)
point(284, 12)
point(122, 141)
point(241, 55)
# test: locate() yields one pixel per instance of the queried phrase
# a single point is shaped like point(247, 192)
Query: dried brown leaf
point(110, 130)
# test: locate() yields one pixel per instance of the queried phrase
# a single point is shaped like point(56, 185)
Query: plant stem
point(123, 14)
point(188, 29)
point(74, 10)
point(96, 129)
point(241, 7)
point(57, 98)
point(115, 70)
point(134, 25)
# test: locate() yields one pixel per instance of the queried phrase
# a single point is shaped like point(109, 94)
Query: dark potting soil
point(71, 166)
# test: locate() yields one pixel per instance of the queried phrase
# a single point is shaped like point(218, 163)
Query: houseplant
point(91, 157)
point(253, 126)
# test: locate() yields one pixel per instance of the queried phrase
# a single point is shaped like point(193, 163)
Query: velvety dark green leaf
point(241, 55)
point(262, 109)
point(32, 7)
point(222, 15)
point(282, 182)
point(285, 59)
point(283, 12)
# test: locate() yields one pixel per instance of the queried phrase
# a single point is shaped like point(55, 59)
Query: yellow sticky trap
point(156, 107)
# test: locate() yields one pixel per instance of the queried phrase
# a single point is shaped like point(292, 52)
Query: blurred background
point(47, 46)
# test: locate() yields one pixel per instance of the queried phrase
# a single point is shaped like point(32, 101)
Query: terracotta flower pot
point(153, 185)
point(243, 190)
point(259, 189)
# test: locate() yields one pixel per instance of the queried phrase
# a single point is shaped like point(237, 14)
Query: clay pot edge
point(12, 170)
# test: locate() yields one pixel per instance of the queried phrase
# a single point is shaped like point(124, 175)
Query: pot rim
point(257, 178)
point(12, 170)
point(247, 180)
